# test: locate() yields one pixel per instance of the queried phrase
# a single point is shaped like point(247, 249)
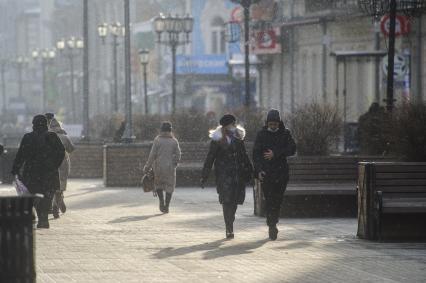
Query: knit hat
point(166, 127)
point(49, 116)
point(273, 116)
point(227, 119)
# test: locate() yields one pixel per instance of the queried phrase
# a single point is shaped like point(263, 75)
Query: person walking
point(272, 146)
point(40, 154)
point(232, 166)
point(163, 159)
point(64, 170)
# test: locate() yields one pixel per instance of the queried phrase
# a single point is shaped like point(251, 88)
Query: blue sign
point(201, 64)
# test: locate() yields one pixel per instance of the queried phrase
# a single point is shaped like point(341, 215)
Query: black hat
point(273, 116)
point(40, 121)
point(227, 119)
point(166, 127)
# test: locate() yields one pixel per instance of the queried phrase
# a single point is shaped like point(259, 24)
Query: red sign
point(402, 25)
point(266, 41)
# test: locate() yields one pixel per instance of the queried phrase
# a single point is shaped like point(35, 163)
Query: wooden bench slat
point(401, 182)
point(320, 166)
point(400, 168)
point(324, 171)
point(395, 189)
point(405, 175)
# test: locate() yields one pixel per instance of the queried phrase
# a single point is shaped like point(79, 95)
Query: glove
point(202, 182)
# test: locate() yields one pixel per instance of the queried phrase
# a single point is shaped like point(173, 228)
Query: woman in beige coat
point(64, 170)
point(163, 159)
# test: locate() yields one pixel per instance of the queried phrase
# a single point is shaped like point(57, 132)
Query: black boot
point(61, 203)
point(229, 217)
point(229, 231)
point(55, 211)
point(168, 199)
point(273, 232)
point(43, 221)
point(161, 200)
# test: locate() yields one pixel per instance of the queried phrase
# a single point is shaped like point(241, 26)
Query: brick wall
point(123, 164)
point(87, 161)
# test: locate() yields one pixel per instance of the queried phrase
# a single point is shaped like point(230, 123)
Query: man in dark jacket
point(272, 146)
point(40, 154)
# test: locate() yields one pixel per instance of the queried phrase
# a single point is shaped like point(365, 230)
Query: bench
point(393, 201)
point(319, 186)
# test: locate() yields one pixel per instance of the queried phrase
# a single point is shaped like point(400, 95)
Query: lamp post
point(3, 64)
point(378, 8)
point(173, 31)
point(128, 132)
point(246, 4)
point(20, 62)
point(45, 56)
point(144, 59)
point(116, 30)
point(71, 48)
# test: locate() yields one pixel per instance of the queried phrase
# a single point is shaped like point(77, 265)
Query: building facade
point(306, 70)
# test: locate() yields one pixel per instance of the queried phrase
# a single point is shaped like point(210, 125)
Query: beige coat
point(65, 168)
point(164, 158)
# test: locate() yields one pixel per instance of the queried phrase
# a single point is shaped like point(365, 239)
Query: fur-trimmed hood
point(216, 134)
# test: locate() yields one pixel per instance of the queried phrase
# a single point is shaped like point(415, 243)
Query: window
point(218, 45)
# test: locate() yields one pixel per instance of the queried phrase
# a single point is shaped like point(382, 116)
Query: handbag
point(148, 181)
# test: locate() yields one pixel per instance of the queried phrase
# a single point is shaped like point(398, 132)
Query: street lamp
point(116, 30)
point(378, 8)
point(3, 65)
point(246, 4)
point(173, 31)
point(71, 47)
point(20, 62)
point(46, 56)
point(144, 59)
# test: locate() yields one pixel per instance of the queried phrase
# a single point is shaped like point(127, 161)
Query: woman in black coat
point(232, 167)
point(40, 154)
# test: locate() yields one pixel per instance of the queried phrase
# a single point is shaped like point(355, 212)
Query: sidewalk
point(118, 235)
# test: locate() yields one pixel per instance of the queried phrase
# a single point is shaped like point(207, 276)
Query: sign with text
point(201, 64)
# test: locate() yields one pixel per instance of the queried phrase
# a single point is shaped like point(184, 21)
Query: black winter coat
point(233, 170)
point(40, 154)
point(282, 145)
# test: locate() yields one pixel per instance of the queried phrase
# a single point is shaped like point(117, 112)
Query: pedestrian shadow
point(134, 218)
point(172, 252)
point(294, 245)
point(239, 249)
point(212, 250)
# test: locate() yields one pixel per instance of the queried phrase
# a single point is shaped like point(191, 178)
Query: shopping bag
point(148, 181)
point(21, 189)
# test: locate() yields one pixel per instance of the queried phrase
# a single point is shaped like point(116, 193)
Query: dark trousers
point(43, 206)
point(160, 195)
point(229, 210)
point(274, 194)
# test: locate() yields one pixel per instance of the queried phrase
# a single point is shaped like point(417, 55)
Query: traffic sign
point(402, 25)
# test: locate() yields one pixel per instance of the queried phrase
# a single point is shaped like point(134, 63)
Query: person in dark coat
point(272, 146)
point(232, 167)
point(40, 154)
point(1, 149)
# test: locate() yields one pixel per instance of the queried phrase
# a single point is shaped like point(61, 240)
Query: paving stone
point(118, 235)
